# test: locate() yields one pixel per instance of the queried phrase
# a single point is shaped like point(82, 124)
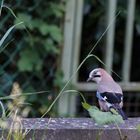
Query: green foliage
point(29, 60)
point(25, 18)
point(138, 128)
point(7, 33)
point(102, 118)
point(58, 79)
point(36, 49)
point(49, 47)
point(86, 105)
point(43, 27)
point(57, 10)
point(49, 37)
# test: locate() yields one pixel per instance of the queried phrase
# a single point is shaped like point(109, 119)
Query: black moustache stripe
point(97, 75)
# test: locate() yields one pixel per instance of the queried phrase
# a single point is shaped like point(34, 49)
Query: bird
point(109, 93)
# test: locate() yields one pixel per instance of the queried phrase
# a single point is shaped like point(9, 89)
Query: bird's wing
point(112, 98)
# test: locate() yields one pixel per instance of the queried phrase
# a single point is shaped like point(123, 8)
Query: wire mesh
point(41, 76)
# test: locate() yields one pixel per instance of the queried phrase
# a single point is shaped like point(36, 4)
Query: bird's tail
point(120, 111)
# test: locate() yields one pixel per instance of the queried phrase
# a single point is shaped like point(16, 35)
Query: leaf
point(92, 55)
point(42, 26)
point(11, 11)
point(58, 79)
point(29, 60)
point(24, 64)
point(55, 33)
point(50, 47)
point(86, 105)
point(103, 118)
point(37, 23)
point(58, 9)
point(8, 32)
point(26, 19)
point(44, 29)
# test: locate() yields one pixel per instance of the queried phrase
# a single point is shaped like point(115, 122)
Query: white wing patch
point(105, 98)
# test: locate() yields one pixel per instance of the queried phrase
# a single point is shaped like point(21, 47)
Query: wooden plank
point(76, 51)
point(70, 58)
point(64, 102)
point(77, 38)
point(110, 35)
point(68, 39)
point(128, 41)
point(133, 86)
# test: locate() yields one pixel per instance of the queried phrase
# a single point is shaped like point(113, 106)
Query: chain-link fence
point(31, 54)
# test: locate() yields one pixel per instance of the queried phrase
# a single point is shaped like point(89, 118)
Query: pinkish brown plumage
point(109, 93)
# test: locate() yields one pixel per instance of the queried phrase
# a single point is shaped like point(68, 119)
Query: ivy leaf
point(102, 118)
point(37, 23)
point(58, 9)
point(58, 79)
point(55, 33)
point(26, 19)
point(7, 33)
point(44, 29)
point(50, 47)
point(41, 26)
point(29, 60)
point(86, 105)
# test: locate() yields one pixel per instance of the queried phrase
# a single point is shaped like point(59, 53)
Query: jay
point(109, 93)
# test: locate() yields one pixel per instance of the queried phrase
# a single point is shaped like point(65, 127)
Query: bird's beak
point(89, 79)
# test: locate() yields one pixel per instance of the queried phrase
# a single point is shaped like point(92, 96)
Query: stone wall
point(77, 129)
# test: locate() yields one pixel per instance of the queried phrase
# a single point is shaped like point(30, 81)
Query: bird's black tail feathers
point(120, 111)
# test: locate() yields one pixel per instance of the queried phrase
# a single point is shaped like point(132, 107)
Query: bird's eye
point(95, 72)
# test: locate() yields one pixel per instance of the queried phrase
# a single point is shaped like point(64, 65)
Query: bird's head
point(97, 75)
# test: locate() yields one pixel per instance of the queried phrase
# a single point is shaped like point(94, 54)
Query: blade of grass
point(24, 94)
point(1, 6)
point(62, 91)
point(120, 133)
point(12, 12)
point(88, 56)
point(4, 6)
point(67, 91)
point(3, 48)
point(112, 21)
point(8, 32)
point(98, 136)
point(104, 64)
point(3, 110)
point(57, 97)
point(78, 92)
